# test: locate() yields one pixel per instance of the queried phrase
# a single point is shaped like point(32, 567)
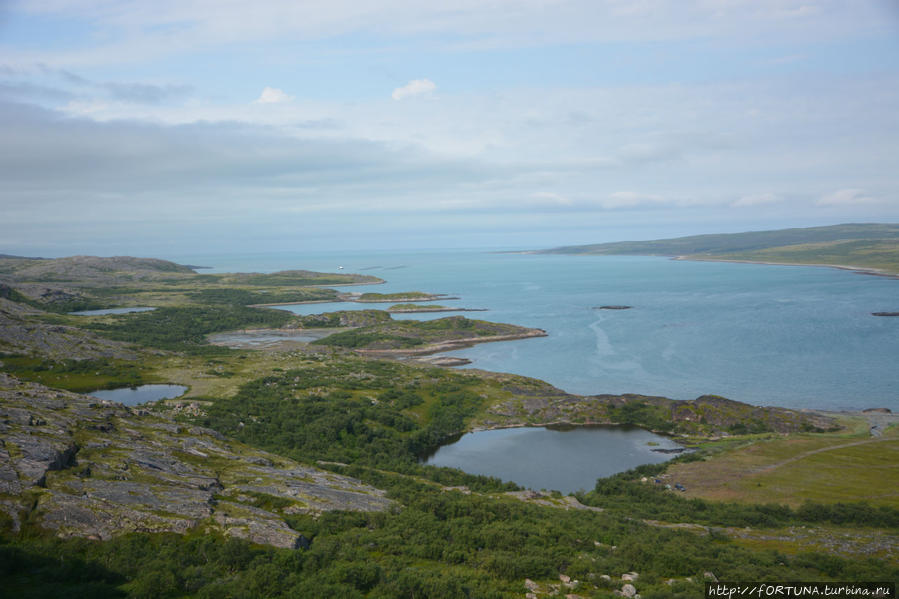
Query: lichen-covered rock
point(98, 469)
point(23, 335)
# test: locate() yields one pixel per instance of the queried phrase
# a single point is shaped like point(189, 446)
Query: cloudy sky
point(173, 126)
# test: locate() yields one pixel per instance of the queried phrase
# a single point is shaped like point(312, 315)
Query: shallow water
point(133, 396)
point(542, 458)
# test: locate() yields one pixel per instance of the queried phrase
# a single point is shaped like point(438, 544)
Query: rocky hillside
point(534, 402)
point(21, 334)
point(83, 269)
point(88, 468)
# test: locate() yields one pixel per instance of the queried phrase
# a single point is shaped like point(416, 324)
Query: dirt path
point(806, 454)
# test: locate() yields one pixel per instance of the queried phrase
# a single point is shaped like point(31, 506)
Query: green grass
point(824, 468)
point(185, 328)
point(296, 278)
point(77, 375)
point(416, 307)
point(717, 244)
point(246, 297)
point(404, 334)
point(879, 254)
point(386, 297)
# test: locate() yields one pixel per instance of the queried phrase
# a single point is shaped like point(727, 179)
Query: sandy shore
point(859, 269)
point(434, 348)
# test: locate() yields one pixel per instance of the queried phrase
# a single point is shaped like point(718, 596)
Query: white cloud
point(273, 95)
point(759, 199)
point(416, 87)
point(847, 197)
point(630, 199)
point(135, 30)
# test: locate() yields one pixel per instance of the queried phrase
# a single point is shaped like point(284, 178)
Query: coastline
point(348, 299)
point(425, 309)
point(394, 300)
point(327, 301)
point(450, 345)
point(381, 282)
point(863, 270)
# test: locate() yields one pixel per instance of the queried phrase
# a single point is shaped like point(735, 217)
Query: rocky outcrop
point(88, 468)
point(532, 402)
point(21, 335)
point(343, 318)
point(725, 414)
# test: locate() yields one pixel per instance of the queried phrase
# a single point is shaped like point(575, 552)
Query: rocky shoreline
point(453, 344)
point(442, 309)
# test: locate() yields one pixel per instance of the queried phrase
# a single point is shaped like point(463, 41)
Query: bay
point(791, 336)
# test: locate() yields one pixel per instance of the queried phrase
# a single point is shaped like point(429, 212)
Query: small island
point(402, 296)
point(410, 308)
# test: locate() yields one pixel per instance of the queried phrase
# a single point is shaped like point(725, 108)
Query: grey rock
point(140, 473)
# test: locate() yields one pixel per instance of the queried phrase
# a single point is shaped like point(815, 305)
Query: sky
point(210, 126)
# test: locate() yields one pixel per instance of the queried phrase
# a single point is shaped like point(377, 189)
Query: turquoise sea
point(799, 337)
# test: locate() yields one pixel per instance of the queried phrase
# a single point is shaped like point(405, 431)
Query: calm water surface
point(799, 337)
point(132, 396)
point(541, 458)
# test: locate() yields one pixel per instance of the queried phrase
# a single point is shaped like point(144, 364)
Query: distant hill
point(79, 268)
point(734, 242)
point(13, 257)
point(866, 246)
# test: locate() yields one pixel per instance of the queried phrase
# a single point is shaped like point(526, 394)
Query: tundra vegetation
point(863, 246)
point(328, 411)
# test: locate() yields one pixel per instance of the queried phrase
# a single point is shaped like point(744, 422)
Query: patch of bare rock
point(94, 469)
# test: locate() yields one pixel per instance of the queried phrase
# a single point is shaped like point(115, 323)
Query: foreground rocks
point(96, 469)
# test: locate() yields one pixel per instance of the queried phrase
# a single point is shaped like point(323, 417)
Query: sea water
point(791, 336)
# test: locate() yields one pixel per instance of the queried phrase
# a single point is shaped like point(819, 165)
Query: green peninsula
point(401, 296)
point(409, 308)
point(873, 247)
point(429, 336)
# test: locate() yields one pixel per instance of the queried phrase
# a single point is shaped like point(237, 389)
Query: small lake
point(562, 460)
point(111, 311)
point(133, 396)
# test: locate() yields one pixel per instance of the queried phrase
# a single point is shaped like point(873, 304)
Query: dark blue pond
point(564, 460)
